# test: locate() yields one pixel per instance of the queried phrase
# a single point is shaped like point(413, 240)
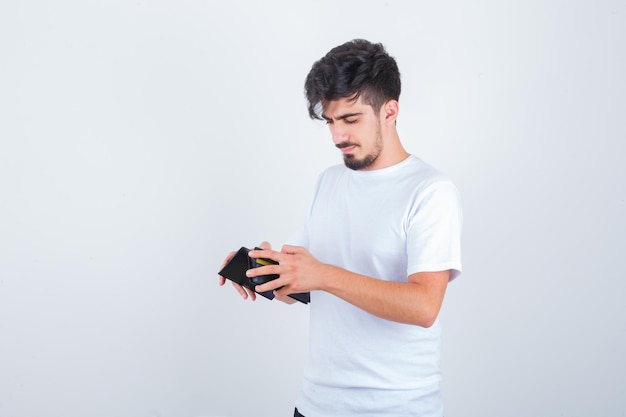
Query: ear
point(389, 112)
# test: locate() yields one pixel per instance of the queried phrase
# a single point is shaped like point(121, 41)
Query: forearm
point(416, 301)
point(408, 302)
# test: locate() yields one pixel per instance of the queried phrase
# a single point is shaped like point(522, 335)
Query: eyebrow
point(343, 116)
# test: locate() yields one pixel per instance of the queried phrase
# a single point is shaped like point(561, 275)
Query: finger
point(284, 291)
point(252, 294)
point(263, 270)
point(265, 245)
point(270, 286)
point(221, 280)
point(265, 253)
point(283, 298)
point(227, 259)
point(291, 250)
point(243, 292)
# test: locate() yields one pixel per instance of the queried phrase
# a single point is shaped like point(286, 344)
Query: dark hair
point(355, 69)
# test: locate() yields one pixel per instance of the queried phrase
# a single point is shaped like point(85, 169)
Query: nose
point(338, 132)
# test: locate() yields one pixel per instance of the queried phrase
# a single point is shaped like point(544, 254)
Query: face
point(356, 131)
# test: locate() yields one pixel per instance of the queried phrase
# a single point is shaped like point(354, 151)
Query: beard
point(357, 164)
point(365, 162)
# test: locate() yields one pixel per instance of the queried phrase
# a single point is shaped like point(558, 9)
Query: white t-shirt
point(387, 224)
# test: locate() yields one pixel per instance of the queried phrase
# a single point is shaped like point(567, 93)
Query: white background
point(141, 141)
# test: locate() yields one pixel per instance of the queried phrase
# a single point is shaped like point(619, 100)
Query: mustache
point(346, 144)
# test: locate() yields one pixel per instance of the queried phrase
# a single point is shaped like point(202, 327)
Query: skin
point(368, 140)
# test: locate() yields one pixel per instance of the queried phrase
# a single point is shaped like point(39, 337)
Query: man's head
point(356, 69)
point(355, 89)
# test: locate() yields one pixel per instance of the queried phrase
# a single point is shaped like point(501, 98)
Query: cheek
point(368, 135)
point(360, 133)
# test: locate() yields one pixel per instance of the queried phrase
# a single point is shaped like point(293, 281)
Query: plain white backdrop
point(141, 141)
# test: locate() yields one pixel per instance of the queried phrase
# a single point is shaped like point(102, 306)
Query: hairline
point(367, 98)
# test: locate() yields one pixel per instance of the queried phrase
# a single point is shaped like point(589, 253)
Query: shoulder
point(431, 189)
point(334, 171)
point(419, 167)
point(424, 176)
point(332, 174)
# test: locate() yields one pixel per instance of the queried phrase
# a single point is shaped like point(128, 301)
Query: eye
point(350, 121)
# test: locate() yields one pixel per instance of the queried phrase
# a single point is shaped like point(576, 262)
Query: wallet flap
point(235, 270)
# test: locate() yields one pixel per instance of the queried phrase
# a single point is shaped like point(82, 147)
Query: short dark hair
point(357, 68)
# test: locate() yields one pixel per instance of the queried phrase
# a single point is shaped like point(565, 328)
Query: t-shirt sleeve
point(434, 231)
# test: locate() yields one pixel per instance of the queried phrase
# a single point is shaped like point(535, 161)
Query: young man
point(379, 245)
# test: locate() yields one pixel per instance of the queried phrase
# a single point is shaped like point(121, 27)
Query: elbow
point(425, 318)
point(426, 322)
point(428, 314)
point(430, 323)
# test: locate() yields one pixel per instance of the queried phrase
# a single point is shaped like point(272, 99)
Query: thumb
point(265, 245)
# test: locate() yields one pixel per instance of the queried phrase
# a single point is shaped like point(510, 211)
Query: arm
point(416, 301)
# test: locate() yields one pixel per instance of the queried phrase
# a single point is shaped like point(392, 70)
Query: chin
point(359, 164)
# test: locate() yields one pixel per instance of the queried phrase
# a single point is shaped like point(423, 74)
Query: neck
point(393, 152)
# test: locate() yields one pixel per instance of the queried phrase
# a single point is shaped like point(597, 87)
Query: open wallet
point(235, 270)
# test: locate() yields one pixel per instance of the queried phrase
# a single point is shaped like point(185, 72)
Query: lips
point(347, 147)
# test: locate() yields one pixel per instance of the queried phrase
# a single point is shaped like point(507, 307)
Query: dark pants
point(296, 413)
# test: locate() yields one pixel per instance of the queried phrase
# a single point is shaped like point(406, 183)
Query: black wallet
point(235, 270)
